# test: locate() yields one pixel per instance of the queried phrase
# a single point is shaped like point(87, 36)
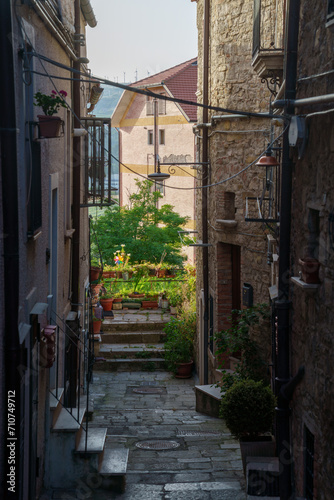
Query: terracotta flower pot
point(97, 326)
point(94, 273)
point(149, 304)
point(49, 126)
point(310, 270)
point(106, 304)
point(184, 370)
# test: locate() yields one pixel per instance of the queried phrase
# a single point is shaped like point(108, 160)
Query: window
point(309, 463)
point(162, 106)
point(330, 10)
point(314, 233)
point(150, 137)
point(161, 136)
point(34, 195)
point(149, 106)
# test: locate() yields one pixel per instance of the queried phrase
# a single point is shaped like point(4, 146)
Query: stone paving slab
point(203, 467)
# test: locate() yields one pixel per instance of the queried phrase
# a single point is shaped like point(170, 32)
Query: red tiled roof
point(183, 85)
point(181, 82)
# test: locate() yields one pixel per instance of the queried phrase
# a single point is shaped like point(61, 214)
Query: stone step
point(141, 336)
point(131, 351)
point(208, 398)
point(68, 420)
point(130, 365)
point(113, 469)
point(139, 324)
point(96, 438)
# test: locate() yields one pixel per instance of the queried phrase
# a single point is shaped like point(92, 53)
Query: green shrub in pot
point(248, 409)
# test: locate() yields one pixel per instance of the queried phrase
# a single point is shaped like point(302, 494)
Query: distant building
point(169, 135)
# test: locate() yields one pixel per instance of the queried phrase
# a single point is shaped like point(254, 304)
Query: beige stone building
point(227, 211)
point(167, 133)
point(253, 54)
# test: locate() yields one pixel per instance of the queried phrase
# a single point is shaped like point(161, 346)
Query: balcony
point(268, 35)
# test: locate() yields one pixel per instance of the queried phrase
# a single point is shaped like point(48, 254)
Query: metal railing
point(78, 362)
point(268, 26)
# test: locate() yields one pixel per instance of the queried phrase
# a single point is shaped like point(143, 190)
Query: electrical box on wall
point(247, 295)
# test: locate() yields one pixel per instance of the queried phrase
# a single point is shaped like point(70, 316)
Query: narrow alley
point(175, 452)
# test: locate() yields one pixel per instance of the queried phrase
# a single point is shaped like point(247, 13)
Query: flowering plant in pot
point(51, 103)
point(248, 408)
point(49, 125)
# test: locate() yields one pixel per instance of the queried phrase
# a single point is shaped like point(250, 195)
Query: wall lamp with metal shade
point(159, 176)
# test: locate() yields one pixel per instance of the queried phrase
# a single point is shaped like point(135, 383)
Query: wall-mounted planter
point(310, 270)
point(49, 126)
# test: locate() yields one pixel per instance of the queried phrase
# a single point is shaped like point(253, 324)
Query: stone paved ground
point(206, 464)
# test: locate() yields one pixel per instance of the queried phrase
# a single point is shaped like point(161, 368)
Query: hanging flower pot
point(49, 126)
point(310, 270)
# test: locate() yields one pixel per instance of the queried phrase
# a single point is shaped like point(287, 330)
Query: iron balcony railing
point(268, 26)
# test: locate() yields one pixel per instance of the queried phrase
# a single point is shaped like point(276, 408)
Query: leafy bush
point(179, 346)
point(248, 409)
point(238, 341)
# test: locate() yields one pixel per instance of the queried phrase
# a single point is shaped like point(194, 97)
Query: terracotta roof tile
point(181, 82)
point(183, 85)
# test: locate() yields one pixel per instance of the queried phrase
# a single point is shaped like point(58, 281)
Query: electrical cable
point(149, 93)
point(126, 87)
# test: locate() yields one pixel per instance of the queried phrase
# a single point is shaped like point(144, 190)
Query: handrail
point(83, 352)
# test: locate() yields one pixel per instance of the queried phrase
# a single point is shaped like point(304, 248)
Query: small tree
point(148, 232)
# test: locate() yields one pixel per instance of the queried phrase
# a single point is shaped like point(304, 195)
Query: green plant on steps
point(179, 346)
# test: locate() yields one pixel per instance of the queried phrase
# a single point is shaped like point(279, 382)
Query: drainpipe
point(307, 101)
point(205, 156)
point(283, 304)
point(76, 158)
point(10, 356)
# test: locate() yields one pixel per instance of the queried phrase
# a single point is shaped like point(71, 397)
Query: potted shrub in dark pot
point(179, 346)
point(248, 408)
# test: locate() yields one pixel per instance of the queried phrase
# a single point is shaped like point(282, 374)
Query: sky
point(137, 38)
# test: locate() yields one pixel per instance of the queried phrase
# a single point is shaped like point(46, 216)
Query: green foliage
point(237, 340)
point(50, 104)
point(148, 232)
point(179, 346)
point(248, 409)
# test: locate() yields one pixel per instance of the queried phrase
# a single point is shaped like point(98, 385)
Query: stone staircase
point(77, 454)
point(132, 342)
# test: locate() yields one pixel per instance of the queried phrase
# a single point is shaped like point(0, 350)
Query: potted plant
point(164, 301)
point(117, 300)
point(310, 270)
point(106, 301)
point(179, 346)
point(248, 408)
point(97, 322)
point(49, 125)
point(175, 299)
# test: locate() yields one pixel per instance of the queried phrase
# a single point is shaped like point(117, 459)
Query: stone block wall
point(312, 316)
point(234, 143)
